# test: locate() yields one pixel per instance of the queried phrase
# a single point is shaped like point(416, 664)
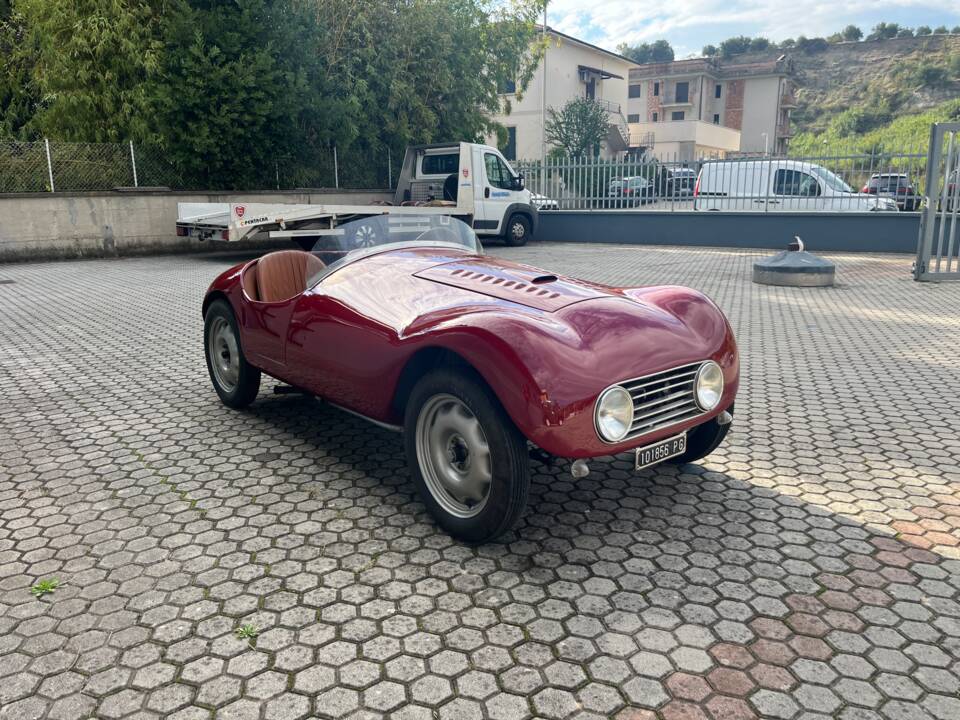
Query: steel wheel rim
point(454, 456)
point(518, 230)
point(224, 354)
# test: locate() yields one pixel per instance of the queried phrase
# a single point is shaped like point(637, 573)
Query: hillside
point(854, 89)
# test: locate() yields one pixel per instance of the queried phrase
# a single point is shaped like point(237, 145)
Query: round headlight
point(709, 385)
point(614, 414)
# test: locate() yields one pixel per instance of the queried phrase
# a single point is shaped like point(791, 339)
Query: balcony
point(687, 138)
point(788, 100)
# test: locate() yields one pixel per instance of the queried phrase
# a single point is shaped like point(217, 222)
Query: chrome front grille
point(663, 399)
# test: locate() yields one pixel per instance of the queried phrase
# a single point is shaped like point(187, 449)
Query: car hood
point(514, 282)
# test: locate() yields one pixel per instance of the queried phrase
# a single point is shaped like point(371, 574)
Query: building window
point(509, 150)
point(507, 87)
point(633, 117)
point(656, 89)
point(634, 91)
point(683, 92)
point(677, 115)
point(717, 90)
point(655, 117)
point(716, 118)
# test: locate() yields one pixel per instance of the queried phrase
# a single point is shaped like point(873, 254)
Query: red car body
point(546, 345)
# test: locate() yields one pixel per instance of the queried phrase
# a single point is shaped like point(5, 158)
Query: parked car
point(793, 185)
point(542, 202)
point(676, 183)
point(896, 186)
point(631, 191)
point(474, 359)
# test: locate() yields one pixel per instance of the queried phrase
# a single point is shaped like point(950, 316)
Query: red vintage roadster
point(477, 360)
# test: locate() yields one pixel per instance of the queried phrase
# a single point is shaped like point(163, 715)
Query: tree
point(578, 127)
point(811, 45)
point(92, 58)
point(658, 51)
point(904, 32)
point(923, 30)
point(884, 31)
point(710, 50)
point(941, 30)
point(735, 46)
point(19, 97)
point(851, 33)
point(759, 44)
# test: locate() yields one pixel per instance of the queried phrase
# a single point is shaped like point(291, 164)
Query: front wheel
point(469, 462)
point(703, 440)
point(518, 230)
point(235, 380)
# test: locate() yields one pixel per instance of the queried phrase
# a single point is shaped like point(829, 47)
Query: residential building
point(572, 68)
point(707, 107)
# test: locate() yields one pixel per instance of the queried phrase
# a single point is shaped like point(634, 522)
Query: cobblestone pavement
point(808, 569)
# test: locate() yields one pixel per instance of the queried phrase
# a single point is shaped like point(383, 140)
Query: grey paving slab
point(808, 569)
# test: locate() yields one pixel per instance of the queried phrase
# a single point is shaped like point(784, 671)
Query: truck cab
point(476, 179)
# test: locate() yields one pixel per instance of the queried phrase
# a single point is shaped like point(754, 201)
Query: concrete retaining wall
point(68, 225)
point(851, 232)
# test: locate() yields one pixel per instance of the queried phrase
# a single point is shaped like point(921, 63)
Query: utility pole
point(543, 107)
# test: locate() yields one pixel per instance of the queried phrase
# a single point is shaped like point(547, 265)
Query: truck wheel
point(703, 440)
point(235, 380)
point(469, 462)
point(518, 230)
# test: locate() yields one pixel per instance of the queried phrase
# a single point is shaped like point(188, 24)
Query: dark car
point(630, 191)
point(896, 186)
point(677, 183)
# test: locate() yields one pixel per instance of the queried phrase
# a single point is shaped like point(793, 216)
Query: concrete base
point(795, 268)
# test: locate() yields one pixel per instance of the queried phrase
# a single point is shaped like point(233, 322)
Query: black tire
point(451, 187)
point(703, 440)
point(244, 391)
point(509, 460)
point(517, 230)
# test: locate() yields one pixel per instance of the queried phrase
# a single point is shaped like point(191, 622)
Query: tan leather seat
point(282, 275)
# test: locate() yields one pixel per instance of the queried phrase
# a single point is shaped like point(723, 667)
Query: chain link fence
point(46, 166)
point(669, 183)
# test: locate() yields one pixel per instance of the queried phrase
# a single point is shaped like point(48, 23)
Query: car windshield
point(832, 181)
point(371, 235)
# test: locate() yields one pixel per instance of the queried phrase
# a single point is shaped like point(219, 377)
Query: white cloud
point(695, 22)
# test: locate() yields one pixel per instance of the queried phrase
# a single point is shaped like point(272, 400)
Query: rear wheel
point(469, 462)
point(518, 230)
point(703, 440)
point(235, 380)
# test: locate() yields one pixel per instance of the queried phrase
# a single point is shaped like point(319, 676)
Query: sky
point(690, 24)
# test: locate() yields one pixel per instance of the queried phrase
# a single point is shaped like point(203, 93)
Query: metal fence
point(938, 251)
point(47, 166)
point(761, 183)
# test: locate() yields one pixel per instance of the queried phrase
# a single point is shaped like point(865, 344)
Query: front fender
point(547, 369)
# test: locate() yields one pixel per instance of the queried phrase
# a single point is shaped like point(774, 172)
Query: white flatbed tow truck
point(471, 182)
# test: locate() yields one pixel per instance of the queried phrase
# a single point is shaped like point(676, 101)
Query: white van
point(778, 185)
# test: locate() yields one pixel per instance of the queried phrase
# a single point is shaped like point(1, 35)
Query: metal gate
point(938, 248)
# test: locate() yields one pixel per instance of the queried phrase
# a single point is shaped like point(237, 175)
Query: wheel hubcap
point(224, 354)
point(518, 230)
point(366, 236)
point(454, 456)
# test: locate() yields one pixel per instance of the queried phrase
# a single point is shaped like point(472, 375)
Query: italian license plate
point(660, 451)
